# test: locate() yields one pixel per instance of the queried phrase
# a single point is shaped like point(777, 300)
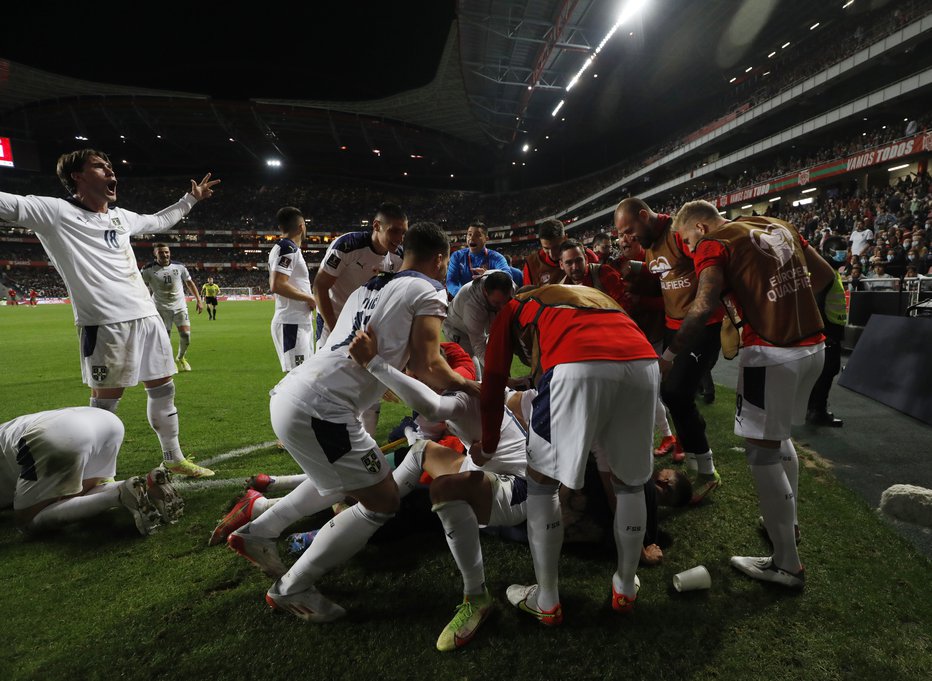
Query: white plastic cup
point(693, 579)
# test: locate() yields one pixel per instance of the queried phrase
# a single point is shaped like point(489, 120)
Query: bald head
point(634, 218)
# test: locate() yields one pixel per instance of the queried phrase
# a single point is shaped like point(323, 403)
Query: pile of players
point(381, 307)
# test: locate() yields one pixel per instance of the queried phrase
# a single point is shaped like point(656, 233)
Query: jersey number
point(110, 237)
point(167, 278)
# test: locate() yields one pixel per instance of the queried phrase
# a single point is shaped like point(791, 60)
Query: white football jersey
point(332, 383)
point(471, 316)
point(167, 284)
point(92, 252)
point(287, 258)
point(352, 261)
point(463, 419)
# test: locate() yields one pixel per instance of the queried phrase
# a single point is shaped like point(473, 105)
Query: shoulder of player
point(352, 241)
point(150, 266)
point(286, 246)
point(412, 279)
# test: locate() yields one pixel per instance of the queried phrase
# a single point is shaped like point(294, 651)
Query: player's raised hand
point(204, 189)
point(364, 347)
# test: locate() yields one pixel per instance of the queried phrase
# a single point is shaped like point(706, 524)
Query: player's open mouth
point(111, 186)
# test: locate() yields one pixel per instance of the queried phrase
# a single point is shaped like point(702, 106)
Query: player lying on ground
point(122, 338)
point(55, 466)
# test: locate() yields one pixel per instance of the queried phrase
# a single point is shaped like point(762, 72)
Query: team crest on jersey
point(371, 462)
point(99, 373)
point(776, 243)
point(660, 266)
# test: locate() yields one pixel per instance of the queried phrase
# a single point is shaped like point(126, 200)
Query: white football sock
point(791, 467)
point(660, 419)
point(408, 473)
point(545, 536)
point(184, 340)
point(260, 506)
point(630, 525)
point(107, 404)
point(302, 502)
point(163, 417)
point(462, 531)
point(777, 504)
point(286, 483)
point(704, 463)
point(101, 498)
point(338, 541)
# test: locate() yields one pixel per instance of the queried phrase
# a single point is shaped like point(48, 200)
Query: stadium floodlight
point(807, 191)
point(766, 73)
point(273, 163)
point(557, 108)
point(749, 69)
point(631, 8)
point(733, 79)
point(900, 167)
point(158, 137)
point(815, 26)
point(769, 56)
point(122, 137)
point(81, 137)
point(847, 4)
point(232, 140)
point(776, 198)
point(750, 205)
point(803, 202)
point(785, 45)
point(525, 147)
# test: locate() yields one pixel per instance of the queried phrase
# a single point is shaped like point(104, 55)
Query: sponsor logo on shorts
point(371, 462)
point(298, 359)
point(99, 373)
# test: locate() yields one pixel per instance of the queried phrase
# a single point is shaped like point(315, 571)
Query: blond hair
point(696, 210)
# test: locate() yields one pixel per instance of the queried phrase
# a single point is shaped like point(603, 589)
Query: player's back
point(387, 304)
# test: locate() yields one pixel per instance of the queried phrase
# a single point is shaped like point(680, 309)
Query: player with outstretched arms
point(167, 280)
point(316, 412)
point(122, 338)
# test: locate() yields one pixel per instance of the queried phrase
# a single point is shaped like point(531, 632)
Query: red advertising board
point(6, 152)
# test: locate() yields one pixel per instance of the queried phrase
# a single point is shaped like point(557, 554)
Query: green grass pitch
point(98, 601)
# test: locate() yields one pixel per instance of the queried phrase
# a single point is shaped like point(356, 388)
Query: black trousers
point(818, 398)
point(678, 391)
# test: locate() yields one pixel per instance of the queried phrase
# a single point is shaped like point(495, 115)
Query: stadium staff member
point(210, 291)
point(473, 310)
point(121, 334)
point(543, 266)
point(667, 258)
point(290, 282)
point(468, 263)
point(770, 271)
point(597, 382)
point(167, 281)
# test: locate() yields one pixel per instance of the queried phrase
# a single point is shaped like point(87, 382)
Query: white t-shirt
point(333, 384)
point(859, 240)
point(287, 258)
point(167, 284)
point(92, 252)
point(471, 316)
point(352, 261)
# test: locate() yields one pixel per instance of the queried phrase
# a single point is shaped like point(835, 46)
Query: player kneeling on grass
point(464, 495)
point(54, 466)
point(316, 409)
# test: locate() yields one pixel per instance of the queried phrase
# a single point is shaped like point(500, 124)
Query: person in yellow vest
point(770, 272)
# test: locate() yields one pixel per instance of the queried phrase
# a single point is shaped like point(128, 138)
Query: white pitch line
point(189, 486)
point(234, 453)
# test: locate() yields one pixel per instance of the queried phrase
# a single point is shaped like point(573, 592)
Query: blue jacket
point(459, 273)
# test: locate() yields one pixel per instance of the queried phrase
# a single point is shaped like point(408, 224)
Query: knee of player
point(444, 488)
point(184, 331)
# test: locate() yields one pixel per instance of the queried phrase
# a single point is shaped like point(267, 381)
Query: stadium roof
point(501, 71)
